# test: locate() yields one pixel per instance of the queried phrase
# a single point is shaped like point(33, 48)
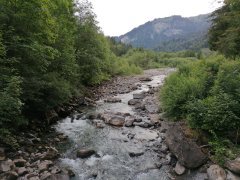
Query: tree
point(224, 34)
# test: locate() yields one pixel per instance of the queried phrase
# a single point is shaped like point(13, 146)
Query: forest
point(53, 50)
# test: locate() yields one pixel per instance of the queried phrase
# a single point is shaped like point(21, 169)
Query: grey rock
point(55, 170)
point(187, 151)
point(43, 166)
point(133, 102)
point(145, 79)
point(139, 96)
point(85, 153)
point(98, 124)
point(233, 166)
point(22, 171)
point(6, 165)
point(52, 153)
point(113, 100)
point(45, 175)
point(142, 124)
point(232, 176)
point(129, 120)
point(179, 169)
point(215, 172)
point(117, 121)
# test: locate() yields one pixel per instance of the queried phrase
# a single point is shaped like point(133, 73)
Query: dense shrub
point(207, 94)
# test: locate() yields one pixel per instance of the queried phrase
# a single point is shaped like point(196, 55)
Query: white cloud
point(116, 17)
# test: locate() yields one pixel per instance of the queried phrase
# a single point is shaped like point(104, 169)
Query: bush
point(207, 94)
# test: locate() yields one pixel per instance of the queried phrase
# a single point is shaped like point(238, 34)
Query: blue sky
point(116, 17)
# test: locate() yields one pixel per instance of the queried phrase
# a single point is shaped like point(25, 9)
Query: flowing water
point(113, 145)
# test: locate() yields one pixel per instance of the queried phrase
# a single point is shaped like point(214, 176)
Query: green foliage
point(224, 34)
point(206, 93)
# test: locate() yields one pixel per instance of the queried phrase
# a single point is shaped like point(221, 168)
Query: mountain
point(170, 34)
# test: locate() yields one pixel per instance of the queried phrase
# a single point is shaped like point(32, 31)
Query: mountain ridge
point(170, 33)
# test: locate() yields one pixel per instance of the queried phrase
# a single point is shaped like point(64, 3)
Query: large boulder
point(215, 172)
point(187, 151)
point(233, 165)
point(117, 121)
point(85, 153)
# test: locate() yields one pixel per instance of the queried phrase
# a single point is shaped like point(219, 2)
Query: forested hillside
point(173, 33)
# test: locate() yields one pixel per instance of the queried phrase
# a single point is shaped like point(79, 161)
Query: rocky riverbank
point(118, 132)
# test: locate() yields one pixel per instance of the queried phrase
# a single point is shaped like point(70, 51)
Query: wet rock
point(113, 100)
point(34, 177)
point(22, 171)
point(19, 162)
point(154, 118)
point(45, 175)
point(187, 151)
point(98, 124)
point(215, 172)
point(179, 169)
point(147, 79)
point(233, 165)
point(142, 124)
point(2, 154)
point(92, 116)
point(145, 134)
point(106, 117)
point(139, 96)
point(69, 172)
point(231, 176)
point(85, 153)
point(164, 148)
point(52, 153)
point(140, 106)
point(133, 102)
point(134, 87)
point(55, 170)
point(129, 120)
point(43, 166)
point(6, 165)
point(117, 121)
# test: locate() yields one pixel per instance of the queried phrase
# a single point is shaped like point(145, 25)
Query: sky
point(117, 17)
